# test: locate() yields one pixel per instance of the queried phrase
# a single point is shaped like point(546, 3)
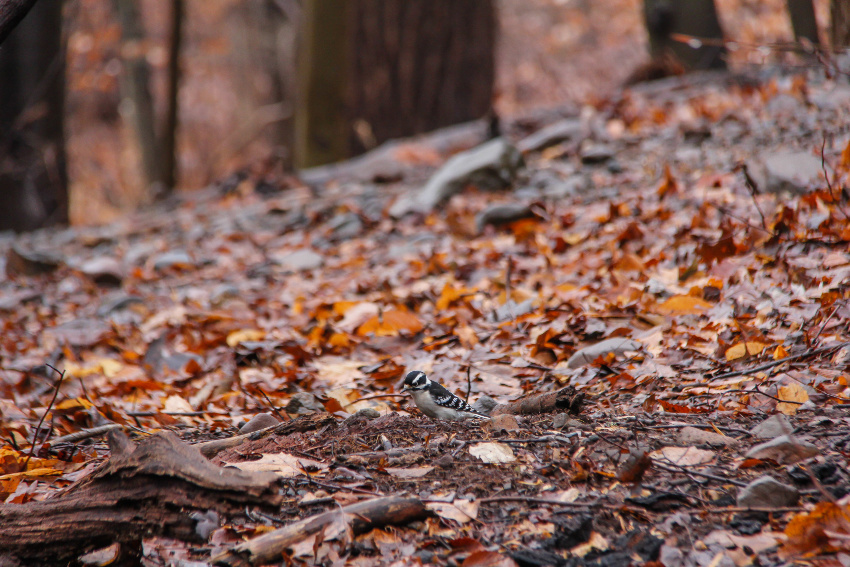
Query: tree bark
point(696, 18)
point(803, 20)
point(320, 118)
point(840, 26)
point(564, 399)
point(169, 128)
point(136, 94)
point(11, 14)
point(142, 491)
point(33, 177)
point(418, 66)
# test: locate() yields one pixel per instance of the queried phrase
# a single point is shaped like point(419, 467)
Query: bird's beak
point(405, 389)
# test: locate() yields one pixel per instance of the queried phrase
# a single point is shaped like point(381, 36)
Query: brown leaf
point(488, 559)
point(390, 323)
point(814, 533)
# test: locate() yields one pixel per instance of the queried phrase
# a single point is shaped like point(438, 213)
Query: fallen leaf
point(814, 533)
point(684, 456)
point(488, 559)
point(413, 472)
point(390, 323)
point(461, 511)
point(492, 453)
point(742, 349)
point(244, 335)
point(282, 464)
point(794, 393)
point(683, 305)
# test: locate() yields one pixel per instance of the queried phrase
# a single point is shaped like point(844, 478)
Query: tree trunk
point(418, 66)
point(11, 14)
point(803, 20)
point(374, 70)
point(320, 123)
point(840, 28)
point(137, 99)
point(169, 128)
point(33, 178)
point(696, 18)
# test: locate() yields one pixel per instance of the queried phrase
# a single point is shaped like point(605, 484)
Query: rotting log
point(565, 399)
point(361, 517)
point(145, 490)
point(304, 423)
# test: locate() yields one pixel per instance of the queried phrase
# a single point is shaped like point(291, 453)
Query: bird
point(435, 401)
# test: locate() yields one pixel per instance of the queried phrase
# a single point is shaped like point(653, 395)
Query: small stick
point(769, 365)
point(751, 186)
point(681, 469)
point(284, 416)
point(85, 434)
point(49, 406)
point(468, 381)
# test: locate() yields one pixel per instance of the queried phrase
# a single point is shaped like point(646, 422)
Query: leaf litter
point(667, 292)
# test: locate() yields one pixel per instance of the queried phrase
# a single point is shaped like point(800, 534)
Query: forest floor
point(656, 256)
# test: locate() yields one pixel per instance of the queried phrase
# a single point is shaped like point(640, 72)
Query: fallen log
point(565, 399)
point(304, 423)
point(147, 490)
point(361, 517)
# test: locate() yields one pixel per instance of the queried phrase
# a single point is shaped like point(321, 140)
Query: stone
point(785, 450)
point(485, 404)
point(25, 262)
point(767, 492)
point(259, 421)
point(562, 420)
point(304, 402)
point(303, 259)
point(501, 214)
point(103, 270)
point(772, 427)
point(490, 166)
point(172, 259)
point(502, 422)
point(563, 130)
point(695, 436)
point(792, 171)
point(596, 153)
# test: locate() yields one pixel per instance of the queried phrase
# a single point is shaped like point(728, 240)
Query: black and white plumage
point(435, 401)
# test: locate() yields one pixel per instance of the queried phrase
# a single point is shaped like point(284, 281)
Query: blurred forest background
point(228, 102)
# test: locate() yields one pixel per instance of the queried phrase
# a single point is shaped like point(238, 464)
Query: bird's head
point(415, 380)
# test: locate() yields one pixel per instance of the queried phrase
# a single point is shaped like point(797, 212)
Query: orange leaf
point(676, 408)
point(748, 348)
point(390, 323)
point(488, 559)
point(845, 157)
point(684, 305)
point(813, 533)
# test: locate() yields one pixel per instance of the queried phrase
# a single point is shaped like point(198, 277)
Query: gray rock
point(172, 258)
point(28, 262)
point(304, 402)
point(259, 421)
point(590, 353)
point(485, 404)
point(792, 171)
point(772, 427)
point(569, 187)
point(491, 166)
point(103, 270)
point(500, 214)
point(566, 129)
point(346, 226)
point(695, 436)
point(767, 492)
point(511, 310)
point(596, 153)
point(785, 449)
point(563, 420)
point(304, 259)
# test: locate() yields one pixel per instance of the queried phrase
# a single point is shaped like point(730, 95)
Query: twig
point(374, 396)
point(468, 381)
point(531, 500)
point(681, 469)
point(769, 365)
point(49, 406)
point(283, 416)
point(751, 186)
point(756, 390)
point(701, 425)
point(829, 182)
point(822, 327)
point(85, 434)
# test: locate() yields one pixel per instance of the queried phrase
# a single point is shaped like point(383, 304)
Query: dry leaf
point(742, 349)
point(461, 511)
point(244, 335)
point(684, 456)
point(683, 305)
point(492, 453)
point(390, 323)
point(412, 472)
point(826, 529)
point(488, 559)
point(282, 464)
point(793, 392)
